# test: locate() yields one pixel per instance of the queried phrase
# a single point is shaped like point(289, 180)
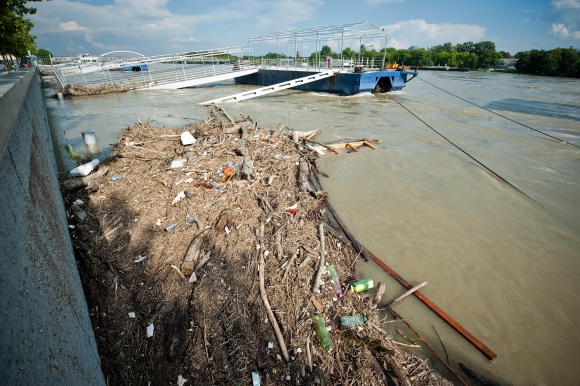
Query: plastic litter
point(115, 178)
point(132, 315)
point(150, 329)
point(335, 281)
point(322, 331)
point(180, 380)
point(255, 379)
point(85, 169)
point(140, 258)
point(352, 320)
point(170, 227)
point(176, 164)
point(77, 211)
point(362, 285)
point(78, 201)
point(177, 198)
point(187, 138)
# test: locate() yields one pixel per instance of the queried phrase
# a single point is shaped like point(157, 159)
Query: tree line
point(556, 62)
point(466, 55)
point(482, 55)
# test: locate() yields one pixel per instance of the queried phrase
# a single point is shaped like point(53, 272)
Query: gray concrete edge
point(13, 90)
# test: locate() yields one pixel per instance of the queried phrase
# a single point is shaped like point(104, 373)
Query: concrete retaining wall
point(46, 336)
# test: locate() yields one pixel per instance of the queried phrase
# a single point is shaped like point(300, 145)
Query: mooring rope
point(460, 149)
point(498, 114)
point(533, 200)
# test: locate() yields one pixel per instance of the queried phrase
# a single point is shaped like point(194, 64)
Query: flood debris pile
point(200, 265)
point(82, 90)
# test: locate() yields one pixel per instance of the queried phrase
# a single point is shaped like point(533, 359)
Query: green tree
point(272, 55)
point(487, 56)
point(44, 55)
point(468, 47)
point(15, 35)
point(524, 61)
point(448, 47)
point(420, 57)
point(569, 62)
point(349, 53)
point(15, 38)
point(325, 51)
point(403, 57)
point(505, 55)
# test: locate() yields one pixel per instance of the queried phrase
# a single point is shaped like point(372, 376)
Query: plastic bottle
point(352, 320)
point(84, 170)
point(322, 331)
point(335, 281)
point(362, 285)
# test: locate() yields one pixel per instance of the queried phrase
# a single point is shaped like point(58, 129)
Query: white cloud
point(526, 20)
point(422, 34)
point(563, 32)
point(566, 16)
point(150, 27)
point(89, 39)
point(566, 4)
point(71, 26)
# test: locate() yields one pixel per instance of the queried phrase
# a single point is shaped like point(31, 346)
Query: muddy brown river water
point(504, 263)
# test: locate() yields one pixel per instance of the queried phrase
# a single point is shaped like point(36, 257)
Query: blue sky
point(152, 27)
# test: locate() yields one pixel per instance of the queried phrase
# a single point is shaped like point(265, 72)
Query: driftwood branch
point(303, 176)
point(298, 135)
point(289, 264)
point(78, 183)
point(397, 372)
point(269, 310)
point(336, 234)
point(380, 292)
point(316, 284)
point(403, 296)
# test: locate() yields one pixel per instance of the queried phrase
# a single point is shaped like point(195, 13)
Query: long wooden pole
point(368, 254)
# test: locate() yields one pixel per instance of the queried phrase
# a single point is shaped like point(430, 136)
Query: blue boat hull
point(136, 67)
point(342, 83)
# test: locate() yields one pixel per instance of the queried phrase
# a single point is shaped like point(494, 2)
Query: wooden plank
point(335, 233)
point(466, 334)
point(351, 146)
point(368, 144)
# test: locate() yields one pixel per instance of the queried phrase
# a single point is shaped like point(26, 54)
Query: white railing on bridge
point(156, 71)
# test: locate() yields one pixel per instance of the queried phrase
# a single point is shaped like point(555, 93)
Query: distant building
point(367, 47)
point(412, 48)
point(506, 65)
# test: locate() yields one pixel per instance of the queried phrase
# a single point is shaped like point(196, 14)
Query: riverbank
point(172, 261)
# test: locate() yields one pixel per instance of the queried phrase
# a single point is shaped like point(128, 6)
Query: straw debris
point(82, 90)
point(189, 274)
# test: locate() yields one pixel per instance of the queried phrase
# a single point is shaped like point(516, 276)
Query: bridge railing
point(157, 70)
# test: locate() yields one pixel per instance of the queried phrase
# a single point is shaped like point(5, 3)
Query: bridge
point(139, 72)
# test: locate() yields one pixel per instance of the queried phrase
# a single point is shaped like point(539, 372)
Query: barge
point(345, 82)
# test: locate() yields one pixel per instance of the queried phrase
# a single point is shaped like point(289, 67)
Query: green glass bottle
point(322, 331)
